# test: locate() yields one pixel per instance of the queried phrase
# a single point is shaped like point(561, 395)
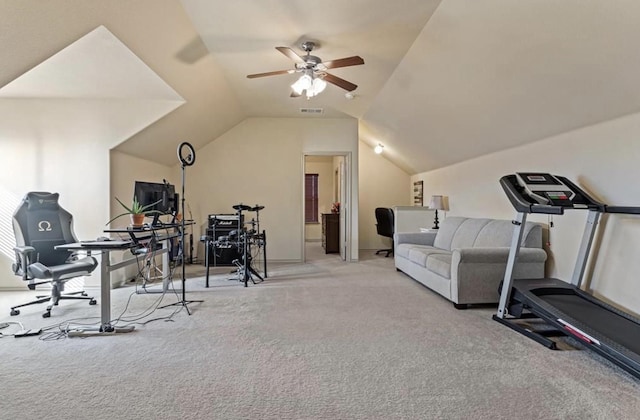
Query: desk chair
point(384, 225)
point(39, 225)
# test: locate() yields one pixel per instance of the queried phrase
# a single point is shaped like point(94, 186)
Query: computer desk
point(146, 233)
point(105, 247)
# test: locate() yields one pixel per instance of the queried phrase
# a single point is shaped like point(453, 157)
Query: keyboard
point(106, 244)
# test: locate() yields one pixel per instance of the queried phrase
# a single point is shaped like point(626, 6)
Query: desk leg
point(105, 305)
point(264, 252)
point(105, 292)
point(207, 244)
point(166, 244)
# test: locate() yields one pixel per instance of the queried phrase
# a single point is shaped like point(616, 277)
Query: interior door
point(343, 209)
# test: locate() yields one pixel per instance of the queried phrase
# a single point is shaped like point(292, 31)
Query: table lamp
point(437, 202)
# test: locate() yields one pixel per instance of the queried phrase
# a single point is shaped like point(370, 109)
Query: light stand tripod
point(185, 160)
point(260, 238)
point(245, 269)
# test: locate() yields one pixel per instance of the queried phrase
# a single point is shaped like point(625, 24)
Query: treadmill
point(565, 309)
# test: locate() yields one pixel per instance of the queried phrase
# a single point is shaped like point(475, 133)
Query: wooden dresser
point(331, 232)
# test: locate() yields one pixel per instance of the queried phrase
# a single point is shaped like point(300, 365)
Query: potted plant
point(137, 211)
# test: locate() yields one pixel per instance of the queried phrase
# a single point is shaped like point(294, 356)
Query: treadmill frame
point(518, 301)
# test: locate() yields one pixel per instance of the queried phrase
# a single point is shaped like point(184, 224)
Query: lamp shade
point(437, 203)
point(302, 84)
point(318, 85)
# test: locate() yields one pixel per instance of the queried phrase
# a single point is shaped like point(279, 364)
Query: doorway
point(325, 198)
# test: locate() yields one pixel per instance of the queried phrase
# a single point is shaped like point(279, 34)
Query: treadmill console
point(545, 188)
point(540, 192)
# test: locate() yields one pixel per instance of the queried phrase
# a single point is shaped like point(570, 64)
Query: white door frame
point(345, 208)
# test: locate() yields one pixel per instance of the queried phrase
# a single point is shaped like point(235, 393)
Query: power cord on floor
point(61, 329)
point(18, 333)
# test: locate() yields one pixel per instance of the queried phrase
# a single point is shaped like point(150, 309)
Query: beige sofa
point(466, 258)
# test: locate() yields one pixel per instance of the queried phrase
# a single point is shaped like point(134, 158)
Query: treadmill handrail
point(622, 209)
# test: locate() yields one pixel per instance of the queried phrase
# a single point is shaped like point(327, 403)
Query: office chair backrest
point(385, 221)
point(40, 222)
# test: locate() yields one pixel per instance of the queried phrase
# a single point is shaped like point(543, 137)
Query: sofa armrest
point(477, 272)
point(418, 238)
point(497, 255)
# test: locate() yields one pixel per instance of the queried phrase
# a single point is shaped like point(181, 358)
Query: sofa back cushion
point(500, 232)
point(462, 232)
point(448, 229)
point(467, 233)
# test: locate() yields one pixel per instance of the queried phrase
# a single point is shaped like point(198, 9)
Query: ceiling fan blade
point(340, 82)
point(344, 62)
point(270, 73)
point(291, 54)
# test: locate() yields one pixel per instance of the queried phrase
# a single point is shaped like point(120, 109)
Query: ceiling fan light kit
point(308, 83)
point(314, 78)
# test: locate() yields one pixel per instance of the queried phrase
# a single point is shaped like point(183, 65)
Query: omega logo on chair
point(44, 226)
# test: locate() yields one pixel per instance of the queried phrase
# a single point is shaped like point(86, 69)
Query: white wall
point(603, 159)
point(76, 168)
point(125, 170)
point(260, 161)
point(382, 184)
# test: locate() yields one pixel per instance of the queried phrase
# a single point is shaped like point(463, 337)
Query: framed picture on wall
point(417, 193)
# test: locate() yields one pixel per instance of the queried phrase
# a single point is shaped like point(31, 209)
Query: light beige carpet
point(324, 340)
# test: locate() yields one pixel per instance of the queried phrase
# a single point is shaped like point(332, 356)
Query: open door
point(333, 174)
point(343, 208)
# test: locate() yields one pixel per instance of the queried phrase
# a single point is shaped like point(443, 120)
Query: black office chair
point(39, 225)
point(384, 225)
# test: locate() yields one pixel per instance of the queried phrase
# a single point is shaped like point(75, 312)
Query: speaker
point(223, 253)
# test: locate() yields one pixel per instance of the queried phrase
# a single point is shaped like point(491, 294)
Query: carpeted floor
point(322, 340)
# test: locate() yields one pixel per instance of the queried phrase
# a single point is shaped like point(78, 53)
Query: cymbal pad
point(241, 207)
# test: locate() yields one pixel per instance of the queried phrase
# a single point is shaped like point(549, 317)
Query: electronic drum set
point(251, 244)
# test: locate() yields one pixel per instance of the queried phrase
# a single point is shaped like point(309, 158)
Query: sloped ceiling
point(494, 74)
point(156, 31)
point(443, 81)
point(93, 89)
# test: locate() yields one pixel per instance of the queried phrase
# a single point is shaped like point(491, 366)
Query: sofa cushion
point(440, 264)
point(402, 250)
point(418, 254)
point(462, 232)
point(498, 233)
point(447, 230)
point(467, 233)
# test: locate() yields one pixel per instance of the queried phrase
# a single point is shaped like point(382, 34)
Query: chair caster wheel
point(92, 302)
point(14, 312)
point(46, 314)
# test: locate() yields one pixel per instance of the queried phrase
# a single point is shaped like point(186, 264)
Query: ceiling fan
point(314, 71)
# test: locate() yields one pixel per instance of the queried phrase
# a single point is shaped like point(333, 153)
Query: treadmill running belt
point(605, 322)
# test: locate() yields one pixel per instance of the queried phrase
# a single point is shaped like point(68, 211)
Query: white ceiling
point(443, 81)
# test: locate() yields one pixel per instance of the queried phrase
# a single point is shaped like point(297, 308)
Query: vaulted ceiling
point(443, 81)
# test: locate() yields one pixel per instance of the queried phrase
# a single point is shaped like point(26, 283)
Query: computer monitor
point(160, 197)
